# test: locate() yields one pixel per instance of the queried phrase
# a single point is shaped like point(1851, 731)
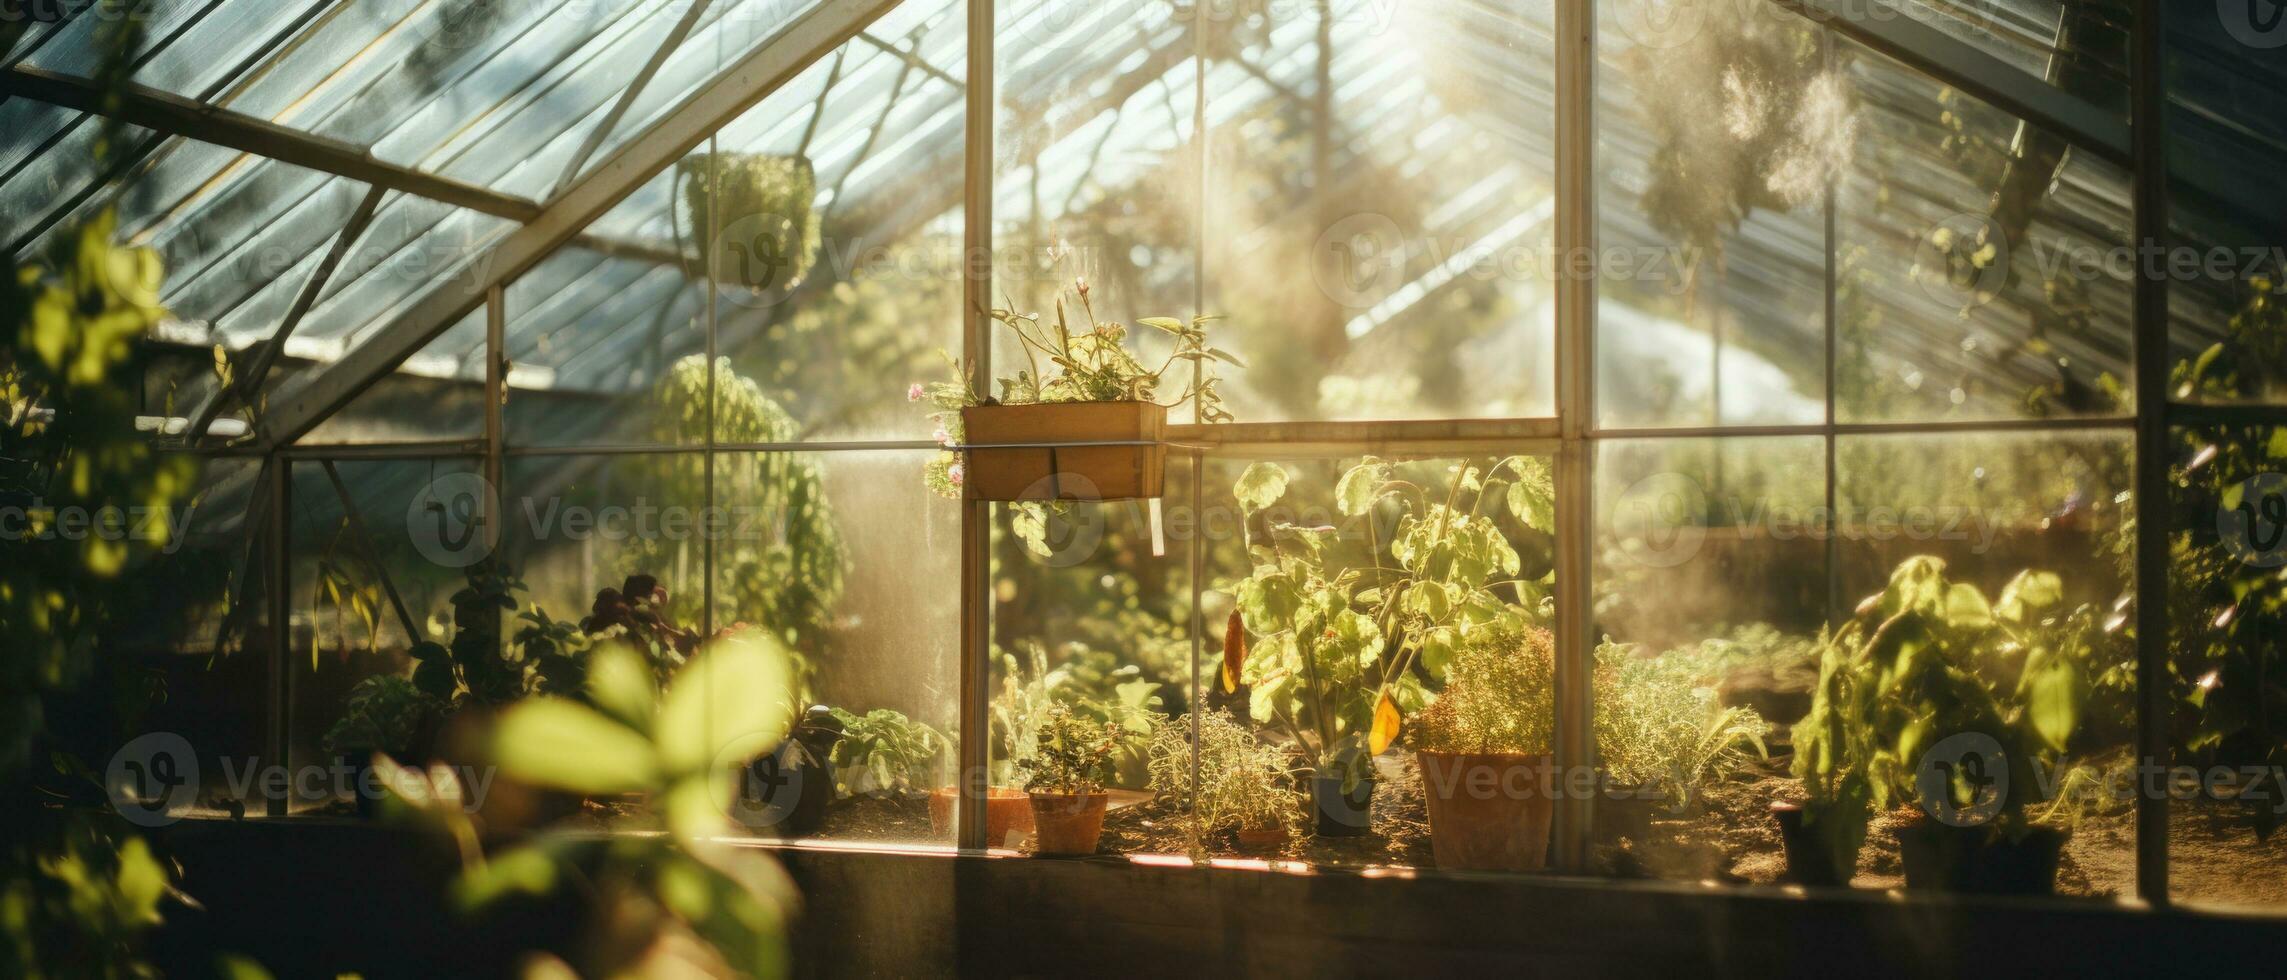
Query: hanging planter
point(755, 212)
point(1079, 421)
point(1085, 451)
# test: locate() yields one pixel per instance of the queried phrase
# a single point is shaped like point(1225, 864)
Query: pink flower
point(953, 474)
point(943, 437)
point(914, 393)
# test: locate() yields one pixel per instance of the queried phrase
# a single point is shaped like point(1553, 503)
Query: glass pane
point(2227, 302)
point(347, 630)
point(2226, 603)
point(2033, 538)
point(1379, 202)
point(851, 558)
point(1091, 620)
point(1425, 579)
point(1982, 268)
point(606, 351)
point(1712, 589)
point(1717, 134)
point(2081, 48)
point(436, 394)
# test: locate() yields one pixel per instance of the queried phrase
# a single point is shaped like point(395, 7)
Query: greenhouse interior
point(1233, 487)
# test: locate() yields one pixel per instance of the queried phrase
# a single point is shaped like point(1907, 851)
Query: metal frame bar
point(975, 747)
point(244, 388)
point(1575, 35)
point(733, 91)
point(1904, 38)
point(372, 556)
point(173, 115)
point(2154, 706)
point(667, 46)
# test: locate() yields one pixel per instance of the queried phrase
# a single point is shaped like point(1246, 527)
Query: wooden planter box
point(1062, 467)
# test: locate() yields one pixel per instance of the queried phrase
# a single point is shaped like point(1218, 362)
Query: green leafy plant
point(1499, 697)
point(885, 751)
point(1660, 723)
point(760, 208)
point(1071, 754)
point(677, 898)
point(1244, 783)
point(477, 667)
point(385, 714)
point(1089, 683)
point(1094, 364)
point(1928, 659)
point(78, 889)
point(1334, 650)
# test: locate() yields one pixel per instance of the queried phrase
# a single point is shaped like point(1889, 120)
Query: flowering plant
point(1093, 364)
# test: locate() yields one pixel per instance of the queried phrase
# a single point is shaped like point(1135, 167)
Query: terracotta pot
point(1263, 838)
point(1008, 814)
point(1809, 860)
point(1486, 810)
point(1067, 824)
point(1979, 860)
point(1059, 469)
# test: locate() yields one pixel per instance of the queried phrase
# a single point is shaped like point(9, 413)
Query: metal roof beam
point(1905, 38)
point(173, 115)
point(736, 89)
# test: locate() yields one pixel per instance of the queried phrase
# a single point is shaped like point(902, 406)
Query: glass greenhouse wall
point(1634, 373)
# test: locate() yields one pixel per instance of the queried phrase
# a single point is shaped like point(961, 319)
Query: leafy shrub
point(1071, 754)
point(883, 750)
point(1244, 783)
point(385, 714)
point(1500, 696)
point(1658, 720)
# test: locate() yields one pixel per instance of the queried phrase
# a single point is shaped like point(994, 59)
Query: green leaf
point(619, 682)
point(1260, 486)
point(527, 870)
point(2053, 703)
point(1360, 487)
point(2030, 591)
point(1533, 497)
point(1966, 607)
point(562, 745)
point(1169, 324)
point(737, 695)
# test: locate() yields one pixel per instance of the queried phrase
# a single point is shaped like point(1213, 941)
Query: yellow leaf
point(1386, 723)
point(1234, 651)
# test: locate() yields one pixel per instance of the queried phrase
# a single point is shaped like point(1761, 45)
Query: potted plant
point(387, 715)
point(883, 751)
point(1245, 787)
point(1662, 733)
point(1335, 645)
point(1937, 699)
point(1093, 413)
point(1484, 747)
point(1064, 781)
point(759, 206)
point(788, 790)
